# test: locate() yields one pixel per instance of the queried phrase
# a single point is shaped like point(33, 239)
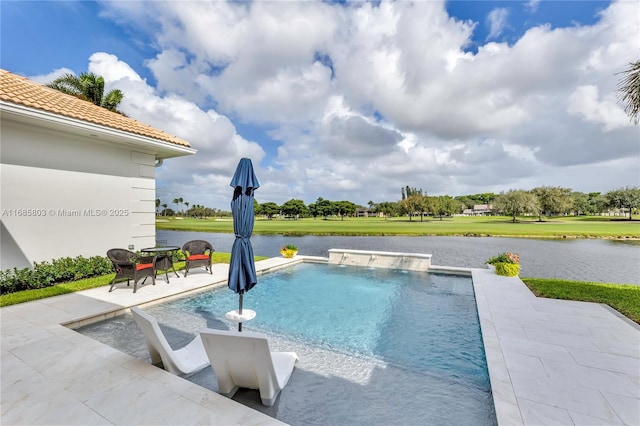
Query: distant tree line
point(543, 201)
point(557, 201)
point(547, 201)
point(295, 209)
point(195, 210)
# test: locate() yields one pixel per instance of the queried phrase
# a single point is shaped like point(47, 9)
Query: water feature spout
point(342, 259)
point(403, 264)
point(371, 260)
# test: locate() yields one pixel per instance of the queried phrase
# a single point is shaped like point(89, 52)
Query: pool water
point(376, 346)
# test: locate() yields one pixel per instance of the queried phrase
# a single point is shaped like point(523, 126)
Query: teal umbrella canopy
point(242, 268)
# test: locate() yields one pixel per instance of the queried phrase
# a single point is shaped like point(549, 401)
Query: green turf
point(621, 297)
point(565, 227)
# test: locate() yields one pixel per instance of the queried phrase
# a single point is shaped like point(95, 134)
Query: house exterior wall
point(67, 195)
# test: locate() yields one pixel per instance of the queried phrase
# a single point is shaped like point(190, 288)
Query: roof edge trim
point(92, 127)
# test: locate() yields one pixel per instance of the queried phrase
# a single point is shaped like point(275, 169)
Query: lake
point(574, 259)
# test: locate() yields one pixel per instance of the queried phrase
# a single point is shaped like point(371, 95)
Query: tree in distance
point(517, 202)
point(624, 198)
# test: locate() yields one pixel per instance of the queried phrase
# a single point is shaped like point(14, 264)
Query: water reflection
point(576, 259)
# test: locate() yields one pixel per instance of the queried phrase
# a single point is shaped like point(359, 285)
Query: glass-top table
point(163, 258)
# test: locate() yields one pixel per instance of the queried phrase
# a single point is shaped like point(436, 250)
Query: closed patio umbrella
point(242, 268)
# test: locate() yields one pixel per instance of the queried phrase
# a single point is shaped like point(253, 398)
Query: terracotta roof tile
point(22, 91)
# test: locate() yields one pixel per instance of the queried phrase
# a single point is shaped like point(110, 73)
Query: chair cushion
point(141, 266)
point(198, 257)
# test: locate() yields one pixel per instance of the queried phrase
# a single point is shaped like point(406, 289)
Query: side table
point(163, 259)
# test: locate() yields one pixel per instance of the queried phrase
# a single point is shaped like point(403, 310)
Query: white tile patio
point(557, 362)
point(550, 362)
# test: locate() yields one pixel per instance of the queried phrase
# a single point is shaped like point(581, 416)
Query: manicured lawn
point(623, 298)
point(565, 227)
point(70, 287)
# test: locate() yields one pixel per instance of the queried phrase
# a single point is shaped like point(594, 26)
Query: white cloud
point(585, 102)
point(497, 20)
point(48, 78)
point(532, 5)
point(362, 99)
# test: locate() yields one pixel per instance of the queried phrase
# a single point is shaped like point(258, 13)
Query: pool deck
point(550, 362)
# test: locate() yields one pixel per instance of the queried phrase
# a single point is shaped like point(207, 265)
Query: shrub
point(507, 257)
point(46, 274)
point(507, 269)
point(289, 250)
point(178, 256)
point(15, 279)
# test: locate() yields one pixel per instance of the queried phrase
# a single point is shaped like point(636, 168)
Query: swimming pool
point(376, 346)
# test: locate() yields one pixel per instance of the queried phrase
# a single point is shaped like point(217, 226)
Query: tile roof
point(22, 91)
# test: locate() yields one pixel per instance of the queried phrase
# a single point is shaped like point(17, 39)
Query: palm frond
point(89, 87)
point(69, 84)
point(112, 99)
point(629, 91)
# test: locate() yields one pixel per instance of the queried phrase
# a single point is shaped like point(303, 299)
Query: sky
point(355, 100)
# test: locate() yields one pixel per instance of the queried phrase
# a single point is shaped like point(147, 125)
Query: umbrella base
point(235, 316)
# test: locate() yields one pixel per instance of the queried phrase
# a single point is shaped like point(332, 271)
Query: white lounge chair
point(243, 360)
point(190, 359)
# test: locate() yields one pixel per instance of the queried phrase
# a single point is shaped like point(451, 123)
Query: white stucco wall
point(63, 194)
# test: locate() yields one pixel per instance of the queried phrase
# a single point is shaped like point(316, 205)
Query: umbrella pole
point(240, 311)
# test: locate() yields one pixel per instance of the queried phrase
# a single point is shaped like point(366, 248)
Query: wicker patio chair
point(197, 253)
point(130, 266)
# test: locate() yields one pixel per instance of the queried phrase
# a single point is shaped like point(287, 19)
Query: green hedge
point(46, 274)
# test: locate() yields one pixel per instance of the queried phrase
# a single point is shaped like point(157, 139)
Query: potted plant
point(506, 264)
point(289, 250)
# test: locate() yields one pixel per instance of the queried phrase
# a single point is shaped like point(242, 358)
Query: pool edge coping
point(32, 325)
point(504, 399)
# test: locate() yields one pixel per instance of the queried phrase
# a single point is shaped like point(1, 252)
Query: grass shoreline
point(624, 298)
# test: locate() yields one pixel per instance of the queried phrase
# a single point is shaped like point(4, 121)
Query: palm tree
point(629, 90)
point(164, 209)
point(372, 205)
point(88, 87)
point(157, 205)
point(176, 201)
